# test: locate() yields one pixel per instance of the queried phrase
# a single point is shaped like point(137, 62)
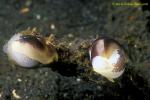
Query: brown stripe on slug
point(105, 47)
point(36, 42)
point(110, 46)
point(121, 61)
point(97, 48)
point(105, 44)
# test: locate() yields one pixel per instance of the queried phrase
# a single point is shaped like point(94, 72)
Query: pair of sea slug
point(28, 48)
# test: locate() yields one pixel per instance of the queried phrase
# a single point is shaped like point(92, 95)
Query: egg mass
point(28, 50)
point(107, 58)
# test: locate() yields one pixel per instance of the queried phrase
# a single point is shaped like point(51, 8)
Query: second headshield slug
point(27, 49)
point(108, 58)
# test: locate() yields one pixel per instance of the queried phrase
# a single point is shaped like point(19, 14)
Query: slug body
point(108, 58)
point(29, 50)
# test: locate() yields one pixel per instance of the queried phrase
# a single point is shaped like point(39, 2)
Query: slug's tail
point(111, 79)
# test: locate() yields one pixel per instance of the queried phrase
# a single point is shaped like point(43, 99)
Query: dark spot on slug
point(36, 42)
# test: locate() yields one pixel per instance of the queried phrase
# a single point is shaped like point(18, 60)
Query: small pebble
point(52, 26)
point(15, 94)
point(70, 35)
point(38, 17)
point(19, 80)
point(78, 79)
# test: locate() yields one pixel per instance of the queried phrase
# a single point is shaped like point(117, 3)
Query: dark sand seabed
point(74, 23)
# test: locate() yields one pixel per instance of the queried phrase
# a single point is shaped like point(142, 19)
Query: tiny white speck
point(99, 87)
point(52, 26)
point(78, 79)
point(38, 16)
point(65, 94)
point(70, 35)
point(70, 44)
point(19, 80)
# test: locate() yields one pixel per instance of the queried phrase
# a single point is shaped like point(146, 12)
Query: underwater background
point(75, 23)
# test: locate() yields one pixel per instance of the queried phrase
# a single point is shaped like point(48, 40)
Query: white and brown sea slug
point(108, 58)
point(28, 50)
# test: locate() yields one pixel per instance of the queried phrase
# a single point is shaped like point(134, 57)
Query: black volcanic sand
point(76, 21)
